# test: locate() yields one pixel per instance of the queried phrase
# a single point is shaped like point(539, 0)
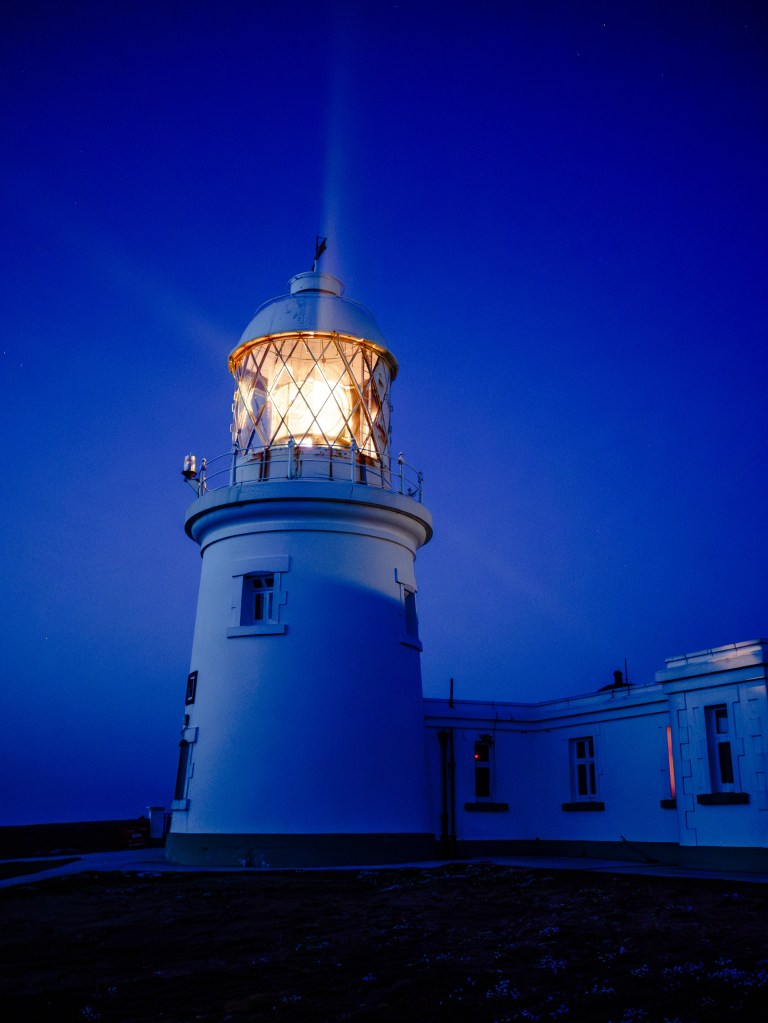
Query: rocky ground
point(460, 942)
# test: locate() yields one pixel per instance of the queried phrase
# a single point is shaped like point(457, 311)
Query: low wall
point(79, 837)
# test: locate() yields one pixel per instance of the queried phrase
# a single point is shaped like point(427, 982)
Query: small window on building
point(583, 773)
point(181, 773)
point(258, 599)
point(483, 768)
point(484, 778)
point(719, 748)
point(191, 687)
point(411, 618)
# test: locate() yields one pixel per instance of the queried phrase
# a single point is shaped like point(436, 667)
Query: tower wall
point(306, 734)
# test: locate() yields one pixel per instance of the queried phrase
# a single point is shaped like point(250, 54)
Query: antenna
point(321, 244)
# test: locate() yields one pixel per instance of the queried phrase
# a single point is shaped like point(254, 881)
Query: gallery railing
point(291, 461)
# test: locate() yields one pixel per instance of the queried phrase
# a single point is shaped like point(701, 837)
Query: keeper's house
point(673, 771)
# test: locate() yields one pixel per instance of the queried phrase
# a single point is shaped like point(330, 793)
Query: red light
point(671, 762)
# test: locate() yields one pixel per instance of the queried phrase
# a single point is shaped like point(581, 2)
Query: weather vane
point(321, 244)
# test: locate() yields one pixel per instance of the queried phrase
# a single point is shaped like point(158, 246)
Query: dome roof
point(314, 303)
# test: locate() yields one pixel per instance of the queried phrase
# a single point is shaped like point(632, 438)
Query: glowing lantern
point(310, 401)
point(313, 387)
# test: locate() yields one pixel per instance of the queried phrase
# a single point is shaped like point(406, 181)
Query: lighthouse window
point(411, 620)
point(408, 615)
point(258, 597)
point(262, 594)
point(181, 773)
point(191, 687)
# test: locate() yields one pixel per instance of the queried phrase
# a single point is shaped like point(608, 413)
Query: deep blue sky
point(557, 213)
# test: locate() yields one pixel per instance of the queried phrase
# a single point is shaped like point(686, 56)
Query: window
point(181, 773)
point(723, 764)
point(258, 597)
point(583, 770)
point(406, 584)
point(583, 779)
point(483, 768)
point(191, 688)
point(484, 782)
point(721, 776)
point(411, 618)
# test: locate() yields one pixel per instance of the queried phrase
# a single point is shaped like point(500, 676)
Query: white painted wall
point(733, 676)
point(317, 729)
point(532, 763)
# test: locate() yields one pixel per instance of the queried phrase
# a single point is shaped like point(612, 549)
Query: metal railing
point(344, 465)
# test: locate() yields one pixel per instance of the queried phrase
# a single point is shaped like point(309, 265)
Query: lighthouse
point(303, 733)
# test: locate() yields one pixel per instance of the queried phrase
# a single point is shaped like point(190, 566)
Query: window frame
point(242, 620)
point(720, 748)
point(484, 768)
point(483, 776)
point(406, 584)
point(589, 800)
point(191, 693)
point(585, 765)
point(182, 772)
point(259, 606)
point(410, 613)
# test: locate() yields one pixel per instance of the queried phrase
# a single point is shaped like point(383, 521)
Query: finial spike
point(321, 244)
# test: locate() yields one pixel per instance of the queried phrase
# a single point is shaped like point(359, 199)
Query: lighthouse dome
point(314, 303)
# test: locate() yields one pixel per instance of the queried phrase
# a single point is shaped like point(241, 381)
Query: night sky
point(557, 214)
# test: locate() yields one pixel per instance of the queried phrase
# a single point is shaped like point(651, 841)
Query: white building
point(673, 771)
point(306, 736)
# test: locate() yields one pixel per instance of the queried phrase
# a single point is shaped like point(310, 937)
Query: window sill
point(488, 807)
point(267, 629)
point(583, 806)
point(668, 804)
point(722, 798)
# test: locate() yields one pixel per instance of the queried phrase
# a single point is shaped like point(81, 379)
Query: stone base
point(336, 850)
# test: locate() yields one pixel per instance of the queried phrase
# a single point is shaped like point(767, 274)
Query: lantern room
point(313, 380)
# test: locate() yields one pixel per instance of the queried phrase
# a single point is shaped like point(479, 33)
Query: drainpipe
point(443, 739)
point(448, 793)
point(452, 794)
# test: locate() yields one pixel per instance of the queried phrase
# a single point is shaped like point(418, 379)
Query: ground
point(469, 942)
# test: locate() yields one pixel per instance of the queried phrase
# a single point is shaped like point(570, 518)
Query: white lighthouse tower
point(303, 729)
